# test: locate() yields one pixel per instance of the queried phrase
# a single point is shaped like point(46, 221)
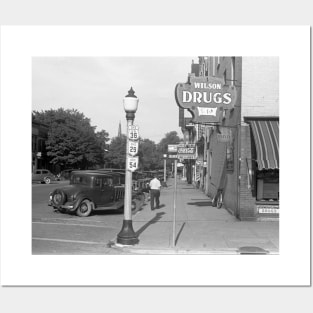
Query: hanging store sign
point(205, 98)
point(172, 148)
point(186, 151)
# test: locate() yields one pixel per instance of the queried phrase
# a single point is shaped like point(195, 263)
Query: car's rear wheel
point(84, 209)
point(47, 180)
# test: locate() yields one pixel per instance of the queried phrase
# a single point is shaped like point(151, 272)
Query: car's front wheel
point(84, 209)
point(47, 180)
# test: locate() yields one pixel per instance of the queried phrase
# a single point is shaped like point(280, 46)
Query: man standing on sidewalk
point(155, 186)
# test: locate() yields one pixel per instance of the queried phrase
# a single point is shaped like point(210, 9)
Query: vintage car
point(89, 191)
point(43, 176)
point(65, 174)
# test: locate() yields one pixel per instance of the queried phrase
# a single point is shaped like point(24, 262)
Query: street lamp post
point(127, 236)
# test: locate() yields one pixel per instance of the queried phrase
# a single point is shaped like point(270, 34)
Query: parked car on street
point(92, 190)
point(65, 174)
point(43, 176)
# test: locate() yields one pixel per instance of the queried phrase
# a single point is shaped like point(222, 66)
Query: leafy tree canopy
point(72, 141)
point(169, 139)
point(148, 155)
point(116, 156)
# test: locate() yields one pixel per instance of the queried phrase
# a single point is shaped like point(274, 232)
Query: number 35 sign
point(132, 164)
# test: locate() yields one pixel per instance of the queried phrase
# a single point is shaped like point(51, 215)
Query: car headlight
point(50, 198)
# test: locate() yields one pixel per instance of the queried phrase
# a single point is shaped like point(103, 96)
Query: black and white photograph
point(147, 156)
point(185, 161)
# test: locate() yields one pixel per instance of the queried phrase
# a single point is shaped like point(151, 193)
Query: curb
point(171, 251)
point(177, 251)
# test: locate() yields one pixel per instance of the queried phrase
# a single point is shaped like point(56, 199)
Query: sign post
point(164, 174)
point(174, 204)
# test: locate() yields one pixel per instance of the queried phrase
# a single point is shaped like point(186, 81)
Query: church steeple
point(119, 134)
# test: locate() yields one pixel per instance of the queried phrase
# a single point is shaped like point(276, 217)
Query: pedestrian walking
point(155, 186)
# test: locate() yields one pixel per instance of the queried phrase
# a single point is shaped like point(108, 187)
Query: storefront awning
point(266, 137)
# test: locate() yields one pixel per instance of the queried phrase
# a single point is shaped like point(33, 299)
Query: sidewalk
point(200, 228)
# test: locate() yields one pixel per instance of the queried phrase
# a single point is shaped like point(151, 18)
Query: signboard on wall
point(225, 135)
point(205, 98)
point(268, 209)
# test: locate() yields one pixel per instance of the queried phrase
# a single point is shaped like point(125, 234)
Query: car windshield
point(80, 180)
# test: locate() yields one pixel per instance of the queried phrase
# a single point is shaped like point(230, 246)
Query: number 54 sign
point(132, 164)
point(133, 132)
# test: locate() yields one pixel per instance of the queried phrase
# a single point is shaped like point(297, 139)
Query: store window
point(267, 185)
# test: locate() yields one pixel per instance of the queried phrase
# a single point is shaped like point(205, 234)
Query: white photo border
point(19, 44)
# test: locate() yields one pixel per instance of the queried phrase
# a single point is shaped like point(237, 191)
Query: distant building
point(39, 137)
point(119, 133)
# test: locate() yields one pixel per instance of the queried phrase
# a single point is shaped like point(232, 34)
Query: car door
point(107, 190)
point(102, 190)
point(37, 175)
point(45, 173)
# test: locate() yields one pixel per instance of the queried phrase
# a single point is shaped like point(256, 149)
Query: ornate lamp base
point(127, 236)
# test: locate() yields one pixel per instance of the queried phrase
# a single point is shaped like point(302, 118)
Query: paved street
point(199, 228)
point(56, 233)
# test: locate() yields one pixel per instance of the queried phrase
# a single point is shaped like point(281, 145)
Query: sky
point(96, 86)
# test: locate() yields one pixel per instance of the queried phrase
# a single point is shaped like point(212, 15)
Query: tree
point(169, 139)
point(148, 155)
point(102, 138)
point(72, 141)
point(116, 156)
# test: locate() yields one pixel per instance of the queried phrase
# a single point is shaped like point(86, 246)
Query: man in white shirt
point(155, 186)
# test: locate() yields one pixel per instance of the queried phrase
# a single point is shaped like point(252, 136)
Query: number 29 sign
point(133, 148)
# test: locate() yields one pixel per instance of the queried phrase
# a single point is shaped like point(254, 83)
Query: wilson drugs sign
point(205, 98)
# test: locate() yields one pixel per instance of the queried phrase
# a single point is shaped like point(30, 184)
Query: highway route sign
point(132, 164)
point(133, 148)
point(133, 132)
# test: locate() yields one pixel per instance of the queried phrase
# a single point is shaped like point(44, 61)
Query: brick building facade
point(240, 157)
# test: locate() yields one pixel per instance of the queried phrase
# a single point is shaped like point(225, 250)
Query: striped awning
point(266, 137)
